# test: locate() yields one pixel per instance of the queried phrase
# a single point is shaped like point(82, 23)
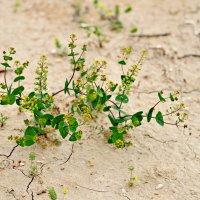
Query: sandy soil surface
point(166, 160)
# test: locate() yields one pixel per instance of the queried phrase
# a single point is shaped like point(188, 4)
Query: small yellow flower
point(101, 6)
point(65, 191)
point(72, 36)
point(108, 13)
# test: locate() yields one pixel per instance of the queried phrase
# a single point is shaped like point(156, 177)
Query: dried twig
point(69, 155)
point(151, 35)
point(189, 55)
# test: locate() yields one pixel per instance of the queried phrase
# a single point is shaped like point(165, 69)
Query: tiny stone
point(159, 186)
point(123, 190)
point(21, 164)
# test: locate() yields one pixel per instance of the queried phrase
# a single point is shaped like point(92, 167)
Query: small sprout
point(132, 178)
point(52, 193)
point(60, 50)
point(134, 30)
point(17, 5)
point(128, 9)
point(32, 156)
point(3, 120)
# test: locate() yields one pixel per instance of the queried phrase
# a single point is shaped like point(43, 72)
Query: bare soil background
point(96, 170)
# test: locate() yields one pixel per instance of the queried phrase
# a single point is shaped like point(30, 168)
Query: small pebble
point(123, 190)
point(159, 186)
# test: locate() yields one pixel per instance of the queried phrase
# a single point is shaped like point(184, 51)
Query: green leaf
point(57, 120)
point(92, 78)
point(171, 97)
point(73, 124)
point(6, 58)
point(18, 90)
point(84, 73)
point(76, 136)
point(134, 30)
point(106, 109)
point(9, 99)
point(99, 91)
point(30, 131)
point(81, 60)
point(112, 89)
point(48, 118)
point(6, 65)
point(31, 95)
point(122, 98)
point(122, 62)
point(112, 120)
point(92, 95)
point(19, 70)
point(26, 141)
point(149, 115)
point(64, 129)
point(118, 109)
point(95, 102)
point(73, 54)
point(19, 78)
point(128, 9)
point(66, 89)
point(159, 118)
point(139, 115)
point(136, 121)
point(162, 99)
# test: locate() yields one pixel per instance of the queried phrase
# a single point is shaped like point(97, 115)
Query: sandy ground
point(96, 170)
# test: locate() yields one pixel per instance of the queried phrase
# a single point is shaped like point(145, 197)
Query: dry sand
point(96, 170)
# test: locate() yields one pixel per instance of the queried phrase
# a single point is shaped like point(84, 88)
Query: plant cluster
point(113, 17)
point(89, 95)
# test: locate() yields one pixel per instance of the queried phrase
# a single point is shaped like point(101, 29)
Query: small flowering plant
point(89, 95)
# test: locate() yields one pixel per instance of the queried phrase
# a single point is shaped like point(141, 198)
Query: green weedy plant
point(17, 5)
point(97, 32)
point(113, 17)
point(33, 168)
point(60, 50)
point(52, 193)
point(3, 120)
point(90, 95)
point(132, 178)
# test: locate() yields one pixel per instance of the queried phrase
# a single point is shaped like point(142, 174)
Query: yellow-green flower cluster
point(41, 76)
